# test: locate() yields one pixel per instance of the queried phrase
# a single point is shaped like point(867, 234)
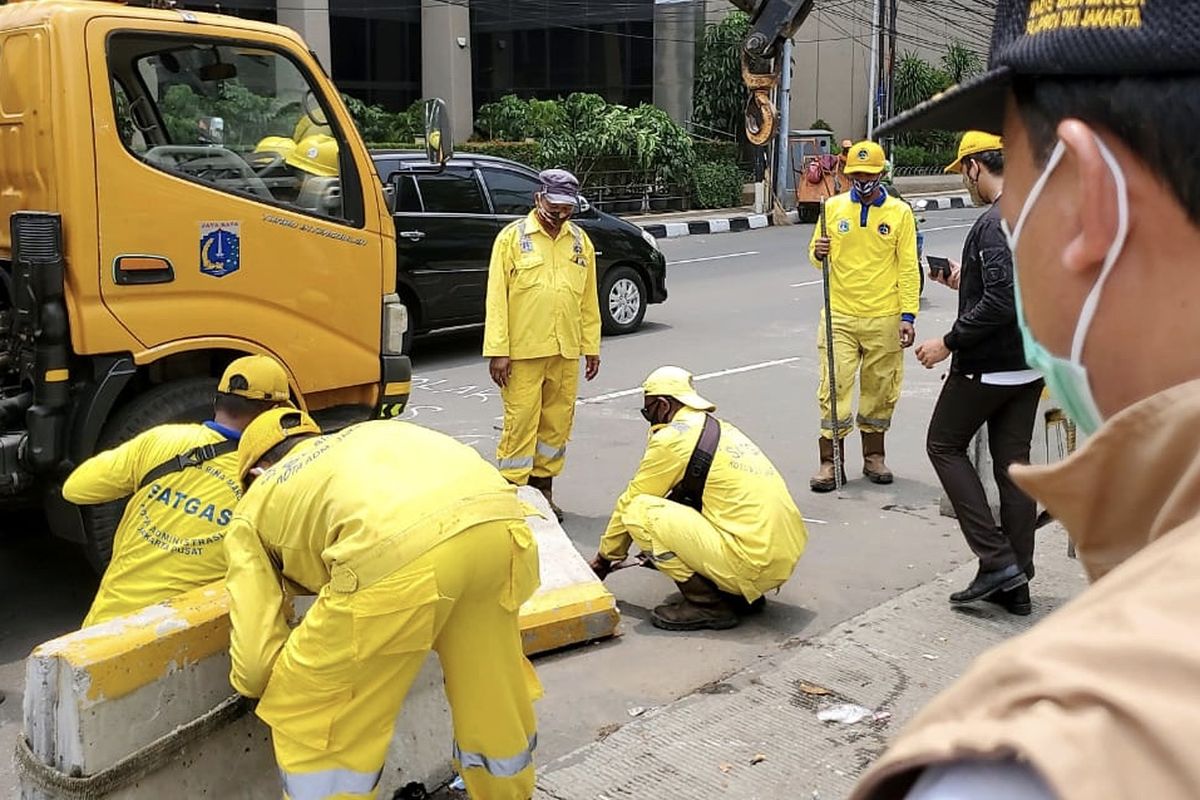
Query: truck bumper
point(395, 387)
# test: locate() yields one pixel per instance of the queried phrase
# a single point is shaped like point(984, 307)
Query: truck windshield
point(243, 119)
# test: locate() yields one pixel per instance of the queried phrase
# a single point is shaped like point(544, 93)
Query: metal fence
point(634, 192)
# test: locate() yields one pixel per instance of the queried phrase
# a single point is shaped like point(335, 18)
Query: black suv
point(446, 223)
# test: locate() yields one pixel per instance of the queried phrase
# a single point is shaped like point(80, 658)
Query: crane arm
point(772, 22)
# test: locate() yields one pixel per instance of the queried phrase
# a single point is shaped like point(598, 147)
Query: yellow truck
point(178, 189)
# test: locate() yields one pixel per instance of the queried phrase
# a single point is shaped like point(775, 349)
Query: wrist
point(909, 318)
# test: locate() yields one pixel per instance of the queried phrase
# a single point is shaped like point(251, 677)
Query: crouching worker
point(411, 543)
point(708, 510)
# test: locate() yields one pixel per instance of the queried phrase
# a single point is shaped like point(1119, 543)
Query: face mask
point(648, 413)
point(552, 218)
point(867, 188)
point(1068, 377)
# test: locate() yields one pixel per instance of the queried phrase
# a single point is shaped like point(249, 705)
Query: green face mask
point(1067, 378)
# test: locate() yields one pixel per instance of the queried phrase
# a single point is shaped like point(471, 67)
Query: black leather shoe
point(1015, 601)
point(989, 583)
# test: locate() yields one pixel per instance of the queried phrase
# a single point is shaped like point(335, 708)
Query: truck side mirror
point(439, 141)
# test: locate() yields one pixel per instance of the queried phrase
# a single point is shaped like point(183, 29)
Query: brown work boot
point(703, 607)
point(546, 487)
point(824, 480)
point(744, 607)
point(873, 466)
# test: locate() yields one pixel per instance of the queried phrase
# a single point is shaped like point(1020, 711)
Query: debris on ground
point(929, 657)
point(812, 688)
point(458, 784)
point(845, 713)
point(726, 767)
point(637, 711)
point(758, 759)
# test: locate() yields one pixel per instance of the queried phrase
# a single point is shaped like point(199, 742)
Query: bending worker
point(181, 481)
point(874, 293)
point(411, 543)
point(708, 510)
point(542, 315)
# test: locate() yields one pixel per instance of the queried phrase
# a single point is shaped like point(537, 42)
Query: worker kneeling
point(708, 510)
point(411, 543)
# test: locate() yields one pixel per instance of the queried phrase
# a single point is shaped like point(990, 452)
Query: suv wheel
point(622, 301)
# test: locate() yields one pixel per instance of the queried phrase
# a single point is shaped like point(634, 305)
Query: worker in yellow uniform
point(875, 288)
point(542, 315)
point(708, 509)
point(411, 543)
point(182, 485)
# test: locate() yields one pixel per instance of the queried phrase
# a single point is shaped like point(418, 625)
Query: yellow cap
point(255, 378)
point(675, 382)
point(975, 142)
point(276, 144)
point(268, 430)
point(865, 158)
point(316, 155)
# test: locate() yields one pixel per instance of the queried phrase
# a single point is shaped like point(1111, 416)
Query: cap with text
point(972, 144)
point(675, 382)
point(255, 378)
point(1062, 39)
point(268, 430)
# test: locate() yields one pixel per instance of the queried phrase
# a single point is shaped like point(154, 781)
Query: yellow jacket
point(346, 510)
point(170, 538)
point(872, 258)
point(541, 296)
point(745, 496)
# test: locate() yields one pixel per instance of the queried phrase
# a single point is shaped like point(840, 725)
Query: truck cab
point(177, 189)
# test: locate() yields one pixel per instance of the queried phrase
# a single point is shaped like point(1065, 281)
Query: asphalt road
point(742, 316)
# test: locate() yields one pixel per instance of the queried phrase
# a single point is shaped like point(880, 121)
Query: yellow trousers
point(340, 681)
point(539, 410)
point(866, 348)
point(682, 543)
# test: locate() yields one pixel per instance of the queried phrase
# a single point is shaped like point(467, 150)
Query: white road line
point(807, 283)
point(947, 228)
point(602, 398)
point(711, 258)
point(817, 521)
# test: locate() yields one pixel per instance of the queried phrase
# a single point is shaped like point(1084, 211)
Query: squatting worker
point(875, 291)
point(411, 543)
point(744, 539)
point(1099, 111)
point(989, 384)
point(181, 484)
point(542, 315)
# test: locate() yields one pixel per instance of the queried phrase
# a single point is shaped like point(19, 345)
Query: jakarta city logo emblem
point(843, 226)
point(884, 229)
point(862, 154)
point(220, 248)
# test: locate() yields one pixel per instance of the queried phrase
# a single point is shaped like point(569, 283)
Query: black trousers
point(964, 406)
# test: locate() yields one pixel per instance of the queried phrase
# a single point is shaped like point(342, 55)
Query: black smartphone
point(938, 266)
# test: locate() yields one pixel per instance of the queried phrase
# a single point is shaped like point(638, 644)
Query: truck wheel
point(186, 400)
point(622, 301)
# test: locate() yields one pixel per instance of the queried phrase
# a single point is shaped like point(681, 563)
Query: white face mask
point(1068, 377)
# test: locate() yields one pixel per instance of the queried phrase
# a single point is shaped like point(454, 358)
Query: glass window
point(242, 118)
point(454, 191)
point(512, 192)
point(408, 201)
point(129, 129)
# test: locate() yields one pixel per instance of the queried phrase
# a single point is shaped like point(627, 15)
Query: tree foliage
point(377, 124)
point(719, 96)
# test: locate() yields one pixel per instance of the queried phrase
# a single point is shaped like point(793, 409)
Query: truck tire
point(622, 301)
point(185, 400)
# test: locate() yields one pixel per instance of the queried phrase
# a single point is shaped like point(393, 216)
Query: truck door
point(229, 204)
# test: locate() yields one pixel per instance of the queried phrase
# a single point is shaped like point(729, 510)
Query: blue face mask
point(1068, 377)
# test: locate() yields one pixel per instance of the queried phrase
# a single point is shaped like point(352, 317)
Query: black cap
point(1062, 38)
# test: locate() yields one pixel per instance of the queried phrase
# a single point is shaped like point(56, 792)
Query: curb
point(754, 222)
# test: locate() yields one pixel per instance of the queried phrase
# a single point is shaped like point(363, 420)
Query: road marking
point(817, 521)
point(807, 283)
point(711, 258)
point(601, 398)
point(947, 228)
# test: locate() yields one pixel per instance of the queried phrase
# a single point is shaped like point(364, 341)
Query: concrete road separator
point(141, 706)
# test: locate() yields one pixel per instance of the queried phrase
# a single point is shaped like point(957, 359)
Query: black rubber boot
point(546, 487)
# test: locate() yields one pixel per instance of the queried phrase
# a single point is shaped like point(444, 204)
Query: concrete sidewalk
point(756, 735)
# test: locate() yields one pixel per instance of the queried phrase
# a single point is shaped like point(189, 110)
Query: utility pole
point(783, 160)
point(872, 100)
point(890, 101)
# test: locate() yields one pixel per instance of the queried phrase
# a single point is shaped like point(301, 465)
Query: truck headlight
point(650, 240)
point(395, 325)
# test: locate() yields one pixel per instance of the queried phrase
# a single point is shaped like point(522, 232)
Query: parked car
point(446, 223)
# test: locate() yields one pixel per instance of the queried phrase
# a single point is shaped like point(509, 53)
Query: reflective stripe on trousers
point(498, 767)
point(549, 451)
point(870, 422)
point(330, 782)
point(520, 462)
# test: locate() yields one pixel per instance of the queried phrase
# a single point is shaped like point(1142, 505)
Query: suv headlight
point(650, 240)
point(395, 325)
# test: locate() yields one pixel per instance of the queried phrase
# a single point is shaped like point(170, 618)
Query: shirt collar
point(883, 195)
point(228, 433)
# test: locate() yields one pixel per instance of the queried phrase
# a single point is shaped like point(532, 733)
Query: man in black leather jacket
point(989, 383)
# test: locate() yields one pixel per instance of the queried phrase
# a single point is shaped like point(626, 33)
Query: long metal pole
point(831, 363)
point(784, 161)
point(874, 90)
